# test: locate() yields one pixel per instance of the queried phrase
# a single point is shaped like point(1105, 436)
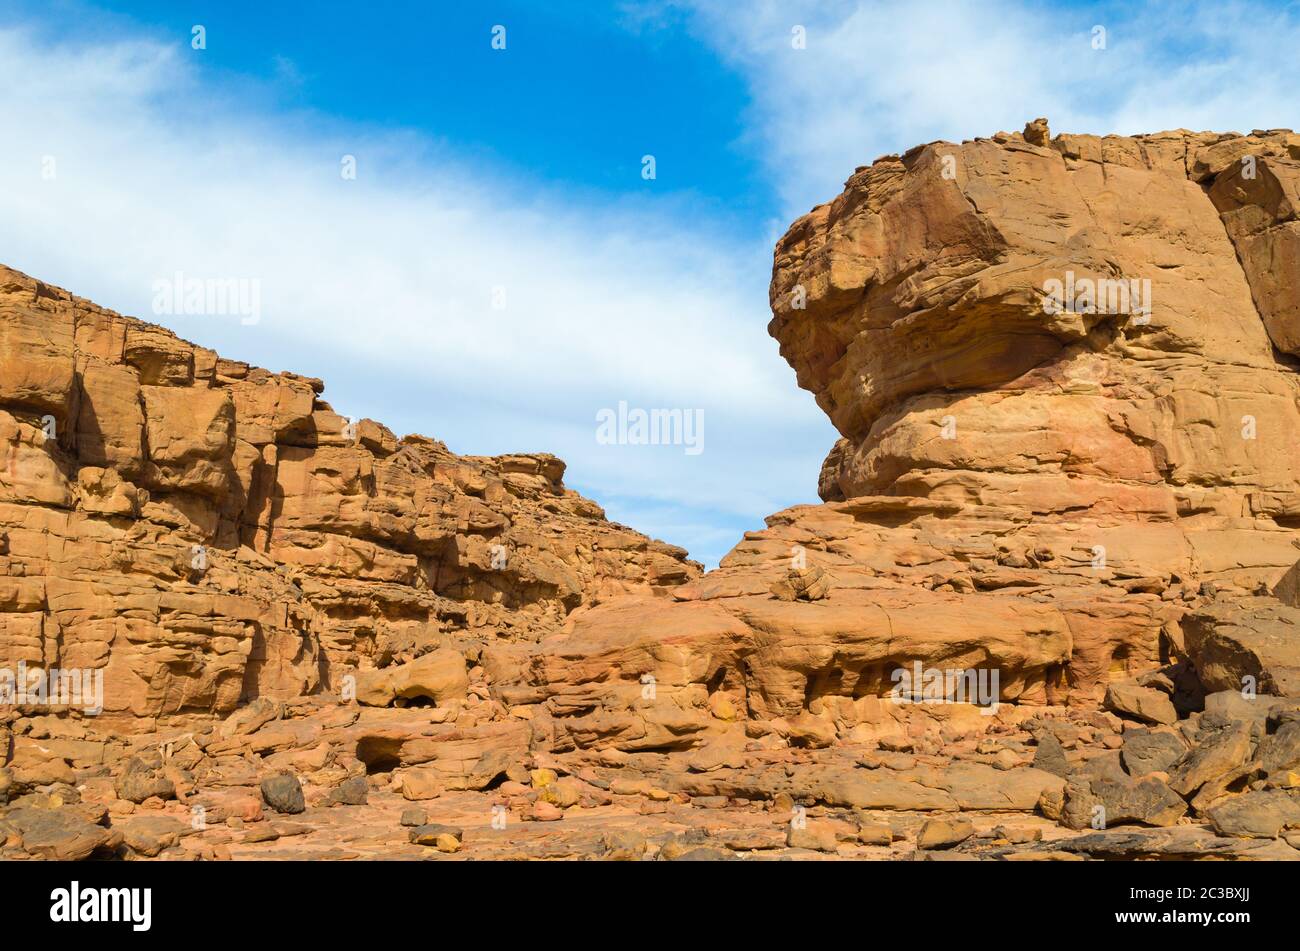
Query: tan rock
point(875, 833)
point(421, 783)
point(944, 833)
point(199, 485)
point(1032, 508)
point(816, 836)
point(543, 811)
point(1248, 643)
point(1141, 703)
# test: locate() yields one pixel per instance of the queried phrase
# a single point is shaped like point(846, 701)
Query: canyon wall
point(1031, 477)
point(1066, 376)
point(208, 533)
point(1045, 487)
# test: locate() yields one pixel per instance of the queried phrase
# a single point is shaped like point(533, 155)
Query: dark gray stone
point(1050, 755)
point(283, 793)
point(1151, 751)
point(352, 792)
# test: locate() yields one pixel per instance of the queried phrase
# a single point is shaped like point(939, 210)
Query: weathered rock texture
point(1045, 492)
point(1100, 504)
point(1077, 476)
point(1166, 442)
point(208, 533)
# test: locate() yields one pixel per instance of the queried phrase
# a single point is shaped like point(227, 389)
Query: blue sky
point(519, 171)
point(582, 90)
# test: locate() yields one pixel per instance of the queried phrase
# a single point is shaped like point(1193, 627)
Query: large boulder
point(1105, 802)
point(1218, 752)
point(60, 834)
point(1246, 644)
point(283, 793)
point(1141, 703)
point(1258, 814)
point(1151, 751)
point(437, 677)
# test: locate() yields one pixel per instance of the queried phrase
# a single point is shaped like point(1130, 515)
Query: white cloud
point(880, 77)
point(383, 286)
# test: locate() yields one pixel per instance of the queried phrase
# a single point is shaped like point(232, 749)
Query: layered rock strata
point(207, 533)
point(1065, 375)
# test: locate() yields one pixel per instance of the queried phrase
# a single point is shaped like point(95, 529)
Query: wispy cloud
point(879, 77)
point(385, 285)
point(432, 295)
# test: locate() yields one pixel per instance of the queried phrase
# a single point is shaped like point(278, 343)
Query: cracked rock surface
point(319, 640)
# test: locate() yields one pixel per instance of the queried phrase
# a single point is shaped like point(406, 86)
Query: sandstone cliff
point(209, 533)
point(1106, 461)
point(1066, 373)
point(1045, 490)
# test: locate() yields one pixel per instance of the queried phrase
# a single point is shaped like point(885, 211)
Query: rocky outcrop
point(1117, 454)
point(1051, 589)
point(1246, 644)
point(206, 533)
point(1063, 373)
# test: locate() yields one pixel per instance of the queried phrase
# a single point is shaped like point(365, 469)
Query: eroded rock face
point(1043, 487)
point(1098, 509)
point(920, 293)
point(1246, 643)
point(206, 533)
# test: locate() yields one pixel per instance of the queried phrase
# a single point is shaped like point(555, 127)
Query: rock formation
point(1066, 376)
point(208, 533)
